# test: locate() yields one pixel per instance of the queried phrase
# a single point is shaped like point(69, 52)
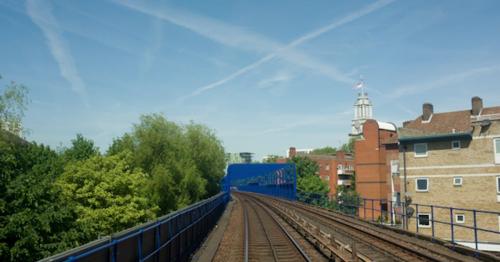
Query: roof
point(491, 110)
point(386, 126)
point(456, 124)
point(439, 123)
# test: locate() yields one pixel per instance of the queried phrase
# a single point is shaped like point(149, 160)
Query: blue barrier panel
point(278, 180)
point(173, 237)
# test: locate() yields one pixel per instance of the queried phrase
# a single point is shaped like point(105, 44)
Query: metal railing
point(173, 237)
point(471, 227)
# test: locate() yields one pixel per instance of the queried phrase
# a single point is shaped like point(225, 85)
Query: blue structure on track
point(278, 180)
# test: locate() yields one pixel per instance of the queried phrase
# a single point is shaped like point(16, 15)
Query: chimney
point(292, 152)
point(477, 105)
point(427, 111)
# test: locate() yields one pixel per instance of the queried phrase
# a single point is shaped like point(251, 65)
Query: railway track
point(265, 239)
point(365, 242)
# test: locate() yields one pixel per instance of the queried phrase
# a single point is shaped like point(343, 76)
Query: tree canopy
point(13, 103)
point(52, 201)
point(107, 194)
point(327, 150)
point(183, 163)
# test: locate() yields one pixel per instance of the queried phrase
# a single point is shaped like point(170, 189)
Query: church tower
point(363, 110)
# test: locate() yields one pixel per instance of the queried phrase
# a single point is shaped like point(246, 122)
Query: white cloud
point(240, 38)
point(276, 79)
point(41, 14)
point(442, 81)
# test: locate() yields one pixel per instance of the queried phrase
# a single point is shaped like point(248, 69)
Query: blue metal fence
point(173, 237)
point(479, 229)
point(278, 180)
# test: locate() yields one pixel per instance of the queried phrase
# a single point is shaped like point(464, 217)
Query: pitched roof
point(439, 123)
point(491, 110)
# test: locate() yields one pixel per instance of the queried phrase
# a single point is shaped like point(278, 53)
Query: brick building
point(335, 170)
point(453, 159)
point(376, 162)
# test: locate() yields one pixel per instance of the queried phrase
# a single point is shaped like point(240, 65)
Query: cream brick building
point(452, 159)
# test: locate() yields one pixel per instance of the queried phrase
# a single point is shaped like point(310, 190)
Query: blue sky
point(265, 75)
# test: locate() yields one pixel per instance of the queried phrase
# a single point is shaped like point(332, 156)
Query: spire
point(363, 109)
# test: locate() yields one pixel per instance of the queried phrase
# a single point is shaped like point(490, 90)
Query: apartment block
point(335, 170)
point(452, 159)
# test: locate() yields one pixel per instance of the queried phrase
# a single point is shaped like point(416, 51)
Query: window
point(457, 181)
point(496, 143)
point(424, 220)
point(422, 184)
point(498, 184)
point(327, 167)
point(460, 218)
point(421, 149)
point(455, 144)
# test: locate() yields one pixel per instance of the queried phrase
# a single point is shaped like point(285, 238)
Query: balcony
point(343, 182)
point(345, 170)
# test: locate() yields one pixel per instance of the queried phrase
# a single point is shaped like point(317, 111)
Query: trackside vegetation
point(53, 200)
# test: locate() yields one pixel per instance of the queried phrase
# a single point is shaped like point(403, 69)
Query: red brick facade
point(374, 152)
point(333, 169)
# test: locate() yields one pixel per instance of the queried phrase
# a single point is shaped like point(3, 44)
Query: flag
point(358, 85)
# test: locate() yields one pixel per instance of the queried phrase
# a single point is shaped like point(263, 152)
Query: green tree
point(162, 149)
point(327, 150)
point(107, 195)
point(310, 188)
point(81, 149)
point(208, 154)
point(13, 103)
point(349, 146)
point(272, 159)
point(33, 215)
point(347, 200)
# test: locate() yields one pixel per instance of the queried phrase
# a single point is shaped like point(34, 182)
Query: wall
point(475, 163)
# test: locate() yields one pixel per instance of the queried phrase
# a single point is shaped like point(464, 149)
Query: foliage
point(107, 195)
point(33, 216)
point(347, 200)
point(305, 166)
point(81, 149)
point(184, 164)
point(208, 155)
point(51, 202)
point(327, 150)
point(13, 103)
point(272, 159)
point(349, 146)
point(310, 187)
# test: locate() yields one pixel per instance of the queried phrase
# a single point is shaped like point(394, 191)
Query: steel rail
point(273, 248)
point(402, 244)
point(297, 246)
point(245, 219)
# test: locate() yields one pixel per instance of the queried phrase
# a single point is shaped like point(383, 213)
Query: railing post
point(417, 218)
point(475, 229)
point(451, 225)
point(139, 245)
point(364, 208)
point(113, 251)
point(432, 221)
point(373, 211)
point(392, 220)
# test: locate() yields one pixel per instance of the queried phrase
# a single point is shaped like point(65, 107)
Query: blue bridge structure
point(278, 180)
